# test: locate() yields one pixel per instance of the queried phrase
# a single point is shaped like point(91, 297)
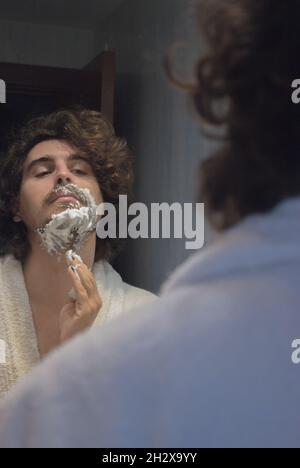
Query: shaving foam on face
point(68, 229)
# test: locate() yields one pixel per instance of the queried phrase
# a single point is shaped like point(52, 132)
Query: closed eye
point(77, 171)
point(41, 174)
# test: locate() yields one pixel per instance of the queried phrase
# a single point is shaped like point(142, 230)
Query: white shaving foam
point(68, 229)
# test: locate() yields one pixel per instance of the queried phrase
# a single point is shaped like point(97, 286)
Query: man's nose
point(63, 180)
point(63, 176)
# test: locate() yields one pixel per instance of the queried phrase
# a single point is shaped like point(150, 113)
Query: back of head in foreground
point(211, 365)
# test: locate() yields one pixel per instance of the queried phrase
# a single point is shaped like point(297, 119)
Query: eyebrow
point(50, 158)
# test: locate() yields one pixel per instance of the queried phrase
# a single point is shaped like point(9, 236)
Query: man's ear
point(16, 214)
point(17, 218)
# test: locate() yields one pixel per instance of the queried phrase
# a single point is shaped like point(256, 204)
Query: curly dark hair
point(94, 136)
point(244, 89)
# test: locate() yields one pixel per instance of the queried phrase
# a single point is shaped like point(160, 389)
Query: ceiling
point(86, 14)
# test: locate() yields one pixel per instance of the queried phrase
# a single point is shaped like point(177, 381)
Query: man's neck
point(47, 280)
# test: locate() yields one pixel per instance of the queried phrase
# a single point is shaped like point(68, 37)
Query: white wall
point(156, 120)
point(36, 44)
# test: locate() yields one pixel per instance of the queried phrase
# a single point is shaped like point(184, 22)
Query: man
point(51, 155)
point(213, 365)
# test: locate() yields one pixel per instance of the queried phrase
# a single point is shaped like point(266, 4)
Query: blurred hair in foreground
point(244, 88)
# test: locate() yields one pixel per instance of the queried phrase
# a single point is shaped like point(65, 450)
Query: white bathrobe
point(211, 366)
point(18, 341)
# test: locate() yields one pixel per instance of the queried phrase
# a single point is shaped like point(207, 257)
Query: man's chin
point(59, 207)
point(62, 205)
point(54, 211)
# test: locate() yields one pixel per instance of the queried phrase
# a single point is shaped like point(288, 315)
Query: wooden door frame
point(96, 80)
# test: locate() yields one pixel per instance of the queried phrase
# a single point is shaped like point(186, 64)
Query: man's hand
point(78, 315)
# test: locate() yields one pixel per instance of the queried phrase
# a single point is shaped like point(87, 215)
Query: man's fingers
point(86, 277)
point(80, 290)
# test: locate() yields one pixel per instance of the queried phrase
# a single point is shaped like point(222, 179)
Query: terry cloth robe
point(18, 341)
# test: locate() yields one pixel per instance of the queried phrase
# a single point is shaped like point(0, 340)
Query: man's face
point(51, 164)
